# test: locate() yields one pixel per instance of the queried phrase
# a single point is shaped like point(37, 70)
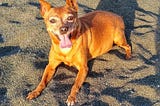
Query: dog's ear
point(73, 4)
point(44, 7)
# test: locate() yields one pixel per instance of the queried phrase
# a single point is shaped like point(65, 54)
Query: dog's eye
point(52, 21)
point(70, 18)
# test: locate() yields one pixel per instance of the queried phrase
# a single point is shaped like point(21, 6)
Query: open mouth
point(65, 41)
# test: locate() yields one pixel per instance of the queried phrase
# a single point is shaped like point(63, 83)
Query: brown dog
point(77, 40)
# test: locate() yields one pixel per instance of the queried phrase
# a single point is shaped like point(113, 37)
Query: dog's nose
point(63, 29)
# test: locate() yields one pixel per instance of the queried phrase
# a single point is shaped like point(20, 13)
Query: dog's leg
point(47, 75)
point(120, 40)
point(127, 49)
point(81, 76)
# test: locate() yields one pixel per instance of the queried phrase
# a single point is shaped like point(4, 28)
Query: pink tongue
point(65, 41)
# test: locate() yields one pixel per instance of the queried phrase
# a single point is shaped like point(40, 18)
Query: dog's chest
point(68, 61)
point(65, 50)
point(67, 57)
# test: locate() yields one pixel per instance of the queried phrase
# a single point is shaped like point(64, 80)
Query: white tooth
point(72, 103)
point(68, 104)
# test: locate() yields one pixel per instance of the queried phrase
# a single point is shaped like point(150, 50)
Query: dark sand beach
point(112, 80)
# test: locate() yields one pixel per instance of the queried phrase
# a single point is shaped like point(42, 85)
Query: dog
point(75, 41)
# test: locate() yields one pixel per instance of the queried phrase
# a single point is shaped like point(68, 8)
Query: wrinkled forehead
point(61, 12)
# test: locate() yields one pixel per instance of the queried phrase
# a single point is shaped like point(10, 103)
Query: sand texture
point(112, 80)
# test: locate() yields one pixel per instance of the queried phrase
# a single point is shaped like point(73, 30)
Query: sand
point(112, 80)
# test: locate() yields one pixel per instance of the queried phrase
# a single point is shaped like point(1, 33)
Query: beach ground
point(112, 80)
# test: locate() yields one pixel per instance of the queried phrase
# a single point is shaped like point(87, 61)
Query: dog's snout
point(63, 29)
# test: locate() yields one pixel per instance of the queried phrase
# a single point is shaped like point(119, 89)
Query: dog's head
point(60, 21)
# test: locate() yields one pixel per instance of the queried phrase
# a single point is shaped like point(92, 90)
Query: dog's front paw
point(128, 57)
point(71, 101)
point(33, 95)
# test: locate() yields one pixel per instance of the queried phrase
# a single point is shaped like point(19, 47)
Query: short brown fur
point(91, 35)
